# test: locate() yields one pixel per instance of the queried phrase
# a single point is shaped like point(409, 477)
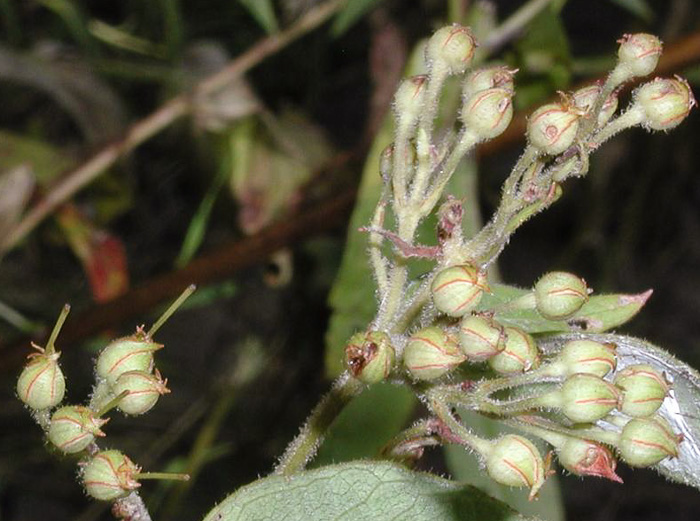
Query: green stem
point(440, 408)
point(631, 118)
point(172, 309)
point(304, 447)
point(162, 475)
point(111, 404)
point(50, 345)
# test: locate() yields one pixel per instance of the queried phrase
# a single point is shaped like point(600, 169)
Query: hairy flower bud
point(584, 356)
point(370, 356)
point(431, 353)
point(495, 76)
point(458, 289)
point(41, 385)
point(587, 398)
point(552, 128)
point(409, 99)
point(519, 354)
point(515, 461)
point(110, 475)
point(558, 295)
point(588, 458)
point(74, 427)
point(143, 388)
point(665, 102)
point(647, 441)
point(452, 48)
point(643, 390)
point(585, 99)
point(133, 353)
point(488, 112)
point(481, 338)
point(639, 53)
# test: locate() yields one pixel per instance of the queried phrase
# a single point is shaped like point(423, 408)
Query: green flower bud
point(586, 97)
point(133, 353)
point(587, 398)
point(488, 112)
point(515, 461)
point(110, 475)
point(639, 53)
point(431, 353)
point(552, 128)
point(370, 356)
point(585, 356)
point(481, 338)
point(665, 102)
point(558, 295)
point(41, 385)
point(643, 390)
point(458, 289)
point(519, 354)
point(647, 441)
point(452, 48)
point(144, 390)
point(409, 99)
point(495, 76)
point(73, 428)
point(588, 458)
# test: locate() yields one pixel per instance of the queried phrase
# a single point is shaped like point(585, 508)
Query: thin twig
point(74, 180)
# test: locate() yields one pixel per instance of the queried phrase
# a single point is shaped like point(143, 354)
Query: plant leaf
point(264, 13)
point(639, 8)
point(379, 491)
point(350, 15)
point(681, 408)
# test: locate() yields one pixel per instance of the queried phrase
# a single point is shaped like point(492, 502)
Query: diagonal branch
point(73, 181)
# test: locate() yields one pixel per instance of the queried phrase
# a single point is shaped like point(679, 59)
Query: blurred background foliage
point(250, 196)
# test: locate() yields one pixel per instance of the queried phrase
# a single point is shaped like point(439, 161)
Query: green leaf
point(600, 313)
point(639, 8)
point(464, 466)
point(681, 408)
point(360, 491)
point(352, 12)
point(264, 13)
point(382, 410)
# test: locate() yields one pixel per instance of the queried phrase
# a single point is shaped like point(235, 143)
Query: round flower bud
point(481, 338)
point(458, 289)
point(585, 99)
point(409, 99)
point(73, 428)
point(646, 441)
point(639, 53)
point(585, 356)
point(495, 76)
point(370, 356)
point(587, 398)
point(488, 112)
point(452, 48)
point(643, 390)
point(515, 461)
point(552, 128)
point(665, 102)
point(558, 295)
point(133, 353)
point(519, 354)
point(588, 458)
point(144, 390)
point(431, 353)
point(110, 475)
point(41, 385)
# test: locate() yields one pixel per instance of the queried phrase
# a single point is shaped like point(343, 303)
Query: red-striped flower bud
point(584, 356)
point(143, 389)
point(452, 48)
point(666, 102)
point(458, 289)
point(552, 128)
point(74, 427)
point(481, 338)
point(431, 353)
point(41, 385)
point(488, 113)
point(639, 53)
point(133, 353)
point(588, 458)
point(647, 441)
point(495, 76)
point(558, 295)
point(587, 398)
point(643, 390)
point(370, 356)
point(110, 475)
point(515, 461)
point(519, 354)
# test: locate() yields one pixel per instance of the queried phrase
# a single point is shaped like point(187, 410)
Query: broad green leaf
point(600, 313)
point(352, 12)
point(681, 408)
point(464, 467)
point(382, 410)
point(264, 13)
point(360, 491)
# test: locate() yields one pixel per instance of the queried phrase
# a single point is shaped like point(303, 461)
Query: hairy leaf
point(681, 408)
point(360, 491)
